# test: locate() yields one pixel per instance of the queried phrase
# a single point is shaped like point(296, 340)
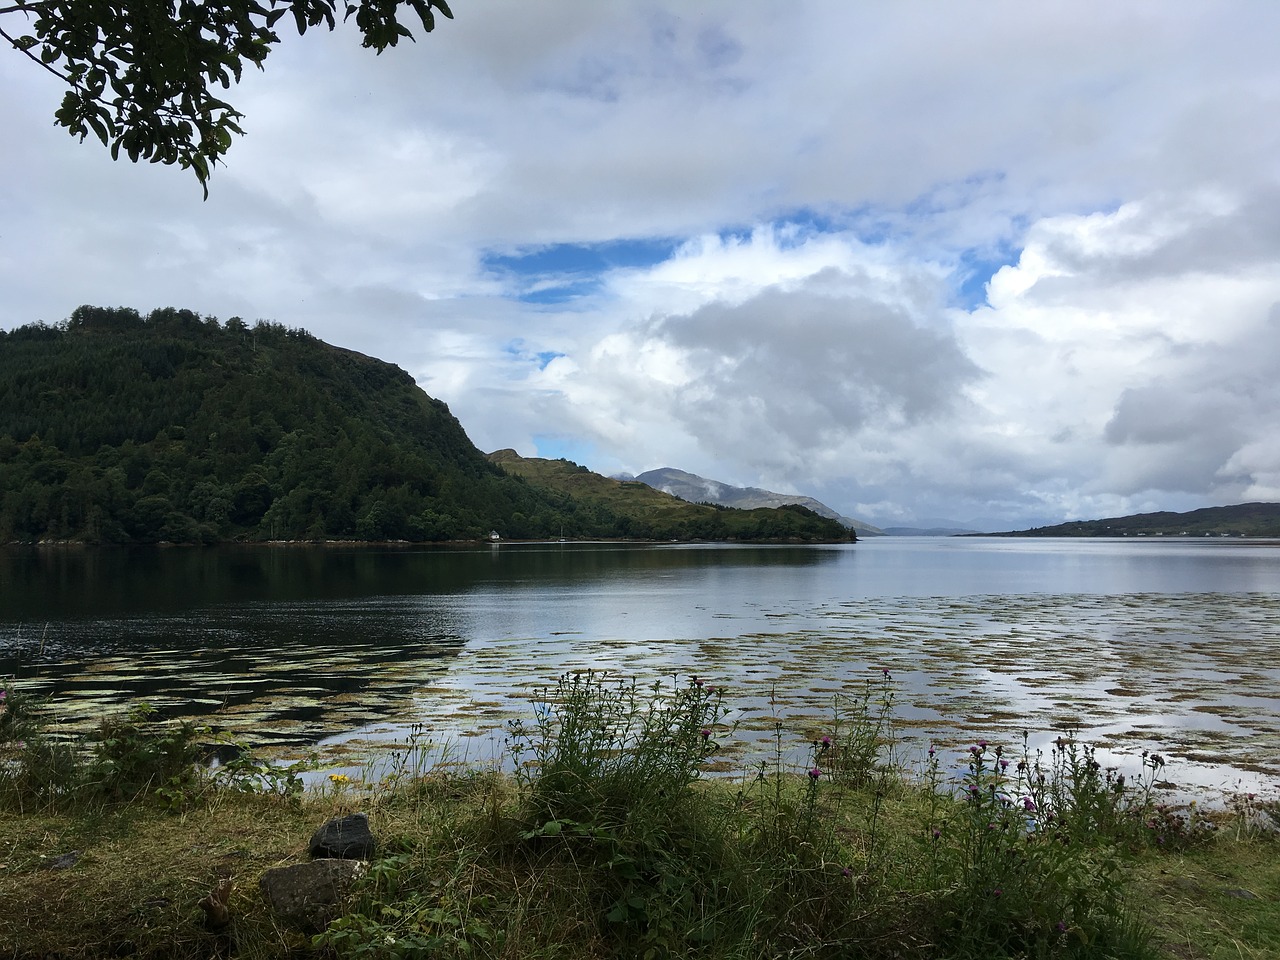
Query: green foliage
point(120, 428)
point(645, 513)
point(141, 76)
point(606, 751)
point(133, 757)
point(610, 842)
point(245, 772)
point(136, 754)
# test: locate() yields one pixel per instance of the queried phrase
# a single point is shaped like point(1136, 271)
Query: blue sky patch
point(976, 268)
point(561, 272)
point(555, 447)
point(519, 350)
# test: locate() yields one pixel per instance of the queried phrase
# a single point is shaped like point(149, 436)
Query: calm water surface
point(1172, 644)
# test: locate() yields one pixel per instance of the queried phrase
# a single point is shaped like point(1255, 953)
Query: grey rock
point(1242, 894)
point(308, 895)
point(344, 838)
point(63, 862)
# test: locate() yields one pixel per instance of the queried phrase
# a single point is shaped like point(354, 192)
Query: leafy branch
point(141, 74)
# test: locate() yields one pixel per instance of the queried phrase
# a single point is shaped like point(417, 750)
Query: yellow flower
point(339, 778)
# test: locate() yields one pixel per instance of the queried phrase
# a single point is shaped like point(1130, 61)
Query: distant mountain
point(927, 531)
point(696, 489)
point(648, 513)
point(1240, 520)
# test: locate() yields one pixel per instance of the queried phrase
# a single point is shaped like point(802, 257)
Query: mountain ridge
point(650, 513)
point(1254, 519)
point(696, 489)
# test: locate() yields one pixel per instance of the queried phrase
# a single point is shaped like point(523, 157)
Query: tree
point(141, 73)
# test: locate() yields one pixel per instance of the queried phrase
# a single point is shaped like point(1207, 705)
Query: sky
point(983, 261)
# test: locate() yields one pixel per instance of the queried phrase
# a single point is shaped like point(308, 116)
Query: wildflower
point(339, 778)
point(997, 893)
point(1028, 805)
point(697, 682)
point(1061, 926)
point(1004, 765)
point(937, 834)
point(931, 751)
point(885, 671)
point(704, 733)
point(846, 872)
point(825, 744)
point(982, 744)
point(814, 774)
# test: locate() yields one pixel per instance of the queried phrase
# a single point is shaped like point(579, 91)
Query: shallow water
point(1173, 646)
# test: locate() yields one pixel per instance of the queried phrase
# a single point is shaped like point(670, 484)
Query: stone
point(308, 895)
point(1242, 894)
point(343, 838)
point(63, 862)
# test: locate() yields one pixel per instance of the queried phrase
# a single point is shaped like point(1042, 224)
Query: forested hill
point(1238, 520)
point(650, 514)
point(119, 427)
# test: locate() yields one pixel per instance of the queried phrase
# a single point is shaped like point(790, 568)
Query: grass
point(608, 840)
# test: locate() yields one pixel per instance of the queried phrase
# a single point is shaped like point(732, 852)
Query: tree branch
point(36, 60)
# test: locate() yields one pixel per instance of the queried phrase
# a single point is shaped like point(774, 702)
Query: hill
point(647, 513)
point(171, 427)
point(1240, 520)
point(118, 427)
point(696, 489)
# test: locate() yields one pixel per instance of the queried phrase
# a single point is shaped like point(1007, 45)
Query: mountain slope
point(696, 489)
point(1238, 520)
point(172, 427)
point(645, 512)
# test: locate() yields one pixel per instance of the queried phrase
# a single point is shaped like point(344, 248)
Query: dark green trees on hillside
point(120, 427)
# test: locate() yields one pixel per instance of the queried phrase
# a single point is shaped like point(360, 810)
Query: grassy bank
point(608, 841)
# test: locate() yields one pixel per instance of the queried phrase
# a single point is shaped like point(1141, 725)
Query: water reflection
point(1174, 646)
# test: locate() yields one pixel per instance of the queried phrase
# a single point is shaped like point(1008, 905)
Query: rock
point(63, 862)
point(309, 895)
point(1242, 894)
point(344, 838)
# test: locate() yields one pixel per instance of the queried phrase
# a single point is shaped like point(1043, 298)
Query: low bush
point(608, 839)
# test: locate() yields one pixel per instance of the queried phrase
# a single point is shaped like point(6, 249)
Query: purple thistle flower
point(1029, 805)
point(997, 892)
point(815, 773)
point(846, 872)
point(705, 733)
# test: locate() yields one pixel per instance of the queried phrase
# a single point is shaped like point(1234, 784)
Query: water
point(1171, 644)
